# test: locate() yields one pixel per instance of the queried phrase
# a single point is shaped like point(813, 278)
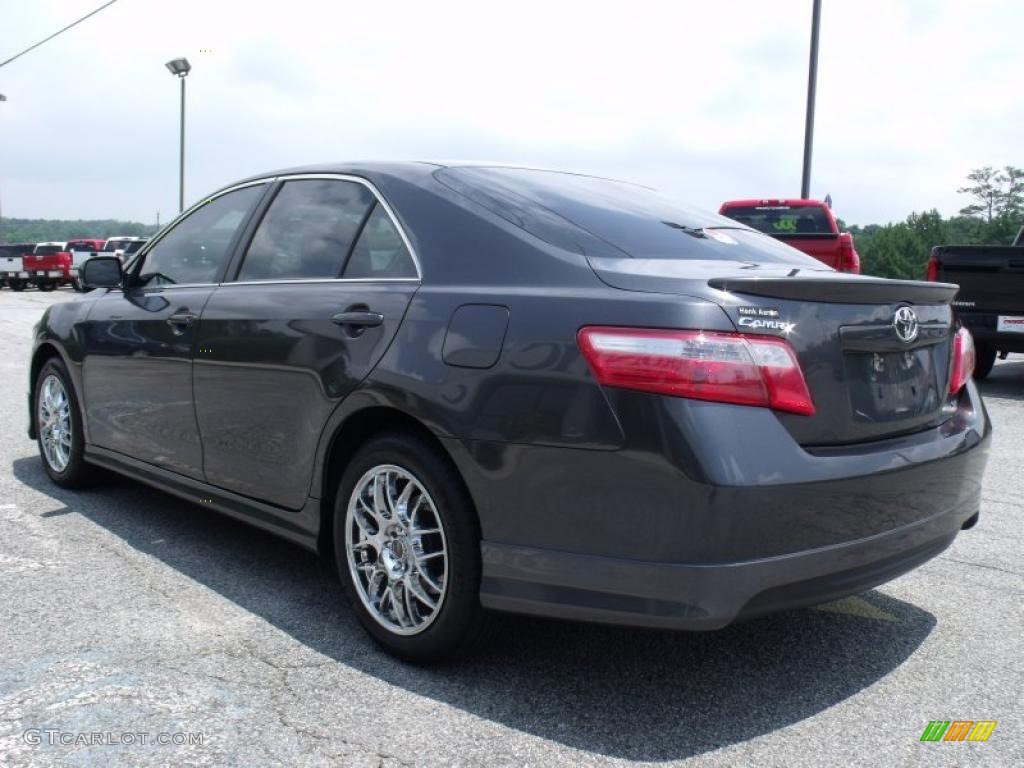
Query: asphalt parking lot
point(127, 611)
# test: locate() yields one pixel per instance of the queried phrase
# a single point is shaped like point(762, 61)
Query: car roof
point(406, 170)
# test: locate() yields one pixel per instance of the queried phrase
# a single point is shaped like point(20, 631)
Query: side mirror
point(102, 272)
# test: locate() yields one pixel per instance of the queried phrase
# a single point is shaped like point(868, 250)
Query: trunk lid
point(867, 382)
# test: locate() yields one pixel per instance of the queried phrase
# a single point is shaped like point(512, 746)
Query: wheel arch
point(46, 351)
point(346, 439)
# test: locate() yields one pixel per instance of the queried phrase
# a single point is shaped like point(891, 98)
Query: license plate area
point(1010, 324)
point(892, 386)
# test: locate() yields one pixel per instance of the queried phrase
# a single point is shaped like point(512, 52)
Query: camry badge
point(905, 323)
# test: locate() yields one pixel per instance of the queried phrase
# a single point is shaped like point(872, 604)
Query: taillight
point(963, 360)
point(704, 365)
point(933, 269)
point(849, 261)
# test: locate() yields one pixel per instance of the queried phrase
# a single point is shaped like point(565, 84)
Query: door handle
point(362, 318)
point(181, 320)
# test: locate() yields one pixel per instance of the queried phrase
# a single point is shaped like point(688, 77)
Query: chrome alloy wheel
point(54, 417)
point(396, 549)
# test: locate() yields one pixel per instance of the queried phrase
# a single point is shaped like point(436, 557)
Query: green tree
point(984, 188)
point(1011, 196)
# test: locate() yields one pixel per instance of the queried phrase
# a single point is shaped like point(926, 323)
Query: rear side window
point(308, 231)
point(783, 219)
point(606, 218)
point(380, 252)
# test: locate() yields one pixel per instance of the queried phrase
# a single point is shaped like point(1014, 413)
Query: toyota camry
point(487, 389)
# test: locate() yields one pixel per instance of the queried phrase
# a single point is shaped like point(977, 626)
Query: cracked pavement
point(124, 610)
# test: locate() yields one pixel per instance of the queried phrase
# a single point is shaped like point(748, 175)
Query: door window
point(196, 249)
point(308, 230)
point(380, 252)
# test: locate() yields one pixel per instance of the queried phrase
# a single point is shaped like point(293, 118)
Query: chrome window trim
point(299, 280)
point(380, 200)
point(142, 252)
point(153, 241)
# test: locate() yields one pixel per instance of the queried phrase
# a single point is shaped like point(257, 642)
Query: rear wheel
point(407, 544)
point(985, 359)
point(59, 427)
point(17, 285)
point(47, 286)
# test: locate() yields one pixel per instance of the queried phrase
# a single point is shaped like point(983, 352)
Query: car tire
point(17, 285)
point(985, 358)
point(403, 563)
point(47, 286)
point(63, 460)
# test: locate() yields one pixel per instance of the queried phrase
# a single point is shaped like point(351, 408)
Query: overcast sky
point(704, 100)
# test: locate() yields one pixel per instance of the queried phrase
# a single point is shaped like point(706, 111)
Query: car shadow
point(1005, 382)
point(618, 692)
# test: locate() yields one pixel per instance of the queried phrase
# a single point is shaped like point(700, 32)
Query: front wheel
point(59, 427)
point(407, 545)
point(985, 359)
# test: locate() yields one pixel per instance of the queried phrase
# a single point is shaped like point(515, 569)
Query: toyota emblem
point(905, 323)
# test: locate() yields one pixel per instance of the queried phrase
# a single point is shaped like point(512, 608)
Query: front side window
point(308, 230)
point(197, 248)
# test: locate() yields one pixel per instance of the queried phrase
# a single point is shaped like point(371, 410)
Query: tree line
point(993, 217)
point(62, 230)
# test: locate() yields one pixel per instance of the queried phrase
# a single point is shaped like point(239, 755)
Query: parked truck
point(48, 266)
point(807, 225)
point(12, 270)
point(81, 250)
point(990, 302)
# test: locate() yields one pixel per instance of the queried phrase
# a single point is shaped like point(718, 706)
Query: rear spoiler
point(835, 288)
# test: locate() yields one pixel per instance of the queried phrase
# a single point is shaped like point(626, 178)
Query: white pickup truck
point(12, 269)
point(83, 250)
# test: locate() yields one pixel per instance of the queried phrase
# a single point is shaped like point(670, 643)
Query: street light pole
point(181, 68)
point(181, 152)
point(2, 98)
point(812, 87)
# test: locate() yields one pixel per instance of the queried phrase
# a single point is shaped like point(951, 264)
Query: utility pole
point(812, 87)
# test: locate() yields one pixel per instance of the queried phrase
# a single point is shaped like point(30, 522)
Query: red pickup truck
point(48, 266)
point(807, 225)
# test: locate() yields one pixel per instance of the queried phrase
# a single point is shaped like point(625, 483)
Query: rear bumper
point(737, 527)
point(702, 597)
point(983, 327)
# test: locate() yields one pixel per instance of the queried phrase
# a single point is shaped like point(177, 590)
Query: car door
point(138, 341)
point(319, 293)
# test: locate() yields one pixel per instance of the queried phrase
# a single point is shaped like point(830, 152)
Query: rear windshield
point(601, 217)
point(783, 219)
point(45, 249)
point(133, 246)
